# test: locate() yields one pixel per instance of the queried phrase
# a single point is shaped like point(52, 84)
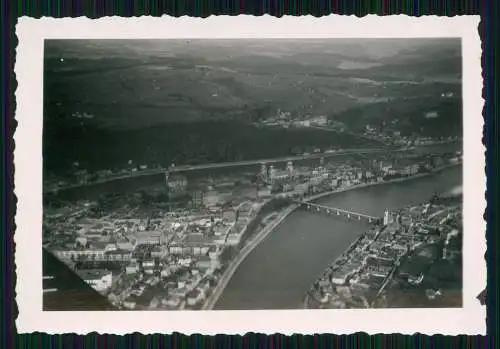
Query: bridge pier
point(359, 218)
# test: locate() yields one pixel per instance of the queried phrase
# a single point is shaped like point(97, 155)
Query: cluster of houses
point(398, 254)
point(179, 256)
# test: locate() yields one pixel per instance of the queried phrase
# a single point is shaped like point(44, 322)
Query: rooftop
point(194, 293)
point(378, 262)
point(148, 233)
point(92, 274)
point(72, 293)
point(117, 252)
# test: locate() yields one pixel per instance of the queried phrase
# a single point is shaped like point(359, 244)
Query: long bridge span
point(186, 168)
point(334, 211)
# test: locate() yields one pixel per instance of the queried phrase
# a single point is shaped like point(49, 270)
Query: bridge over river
point(334, 211)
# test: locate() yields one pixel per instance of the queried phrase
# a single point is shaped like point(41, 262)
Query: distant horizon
point(161, 45)
point(94, 90)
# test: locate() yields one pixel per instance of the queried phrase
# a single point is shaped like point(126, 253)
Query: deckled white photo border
point(471, 319)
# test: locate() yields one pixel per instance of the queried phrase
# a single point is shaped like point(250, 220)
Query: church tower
point(386, 217)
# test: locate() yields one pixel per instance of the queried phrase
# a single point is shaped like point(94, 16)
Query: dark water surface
point(278, 273)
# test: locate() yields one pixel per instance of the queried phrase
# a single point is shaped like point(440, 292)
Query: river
point(281, 269)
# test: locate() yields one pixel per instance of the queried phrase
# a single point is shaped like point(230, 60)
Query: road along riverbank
point(226, 276)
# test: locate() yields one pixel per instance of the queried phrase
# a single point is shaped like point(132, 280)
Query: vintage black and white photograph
point(189, 174)
point(252, 174)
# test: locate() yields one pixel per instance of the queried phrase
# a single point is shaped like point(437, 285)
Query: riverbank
point(366, 185)
point(161, 171)
point(335, 262)
point(233, 266)
point(359, 245)
point(264, 233)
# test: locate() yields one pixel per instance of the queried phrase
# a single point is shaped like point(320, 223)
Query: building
point(301, 188)
point(319, 120)
point(271, 173)
point(212, 198)
point(386, 217)
point(204, 262)
point(414, 168)
point(184, 262)
point(339, 277)
point(150, 263)
point(89, 254)
point(264, 192)
point(118, 256)
point(194, 297)
point(158, 252)
point(176, 185)
point(386, 168)
point(334, 183)
point(149, 266)
point(148, 238)
point(233, 239)
point(132, 268)
point(176, 249)
point(263, 172)
point(189, 249)
point(99, 279)
point(81, 240)
point(289, 169)
point(166, 272)
point(126, 245)
point(379, 267)
point(173, 302)
point(60, 277)
point(214, 252)
point(302, 123)
point(229, 215)
point(279, 175)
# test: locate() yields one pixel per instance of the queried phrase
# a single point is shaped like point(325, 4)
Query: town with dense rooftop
point(413, 259)
point(173, 247)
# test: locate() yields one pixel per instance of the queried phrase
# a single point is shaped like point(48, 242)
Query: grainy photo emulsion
point(252, 174)
point(333, 176)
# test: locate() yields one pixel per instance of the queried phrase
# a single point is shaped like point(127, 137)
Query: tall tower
point(386, 217)
point(263, 171)
point(289, 168)
point(272, 172)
